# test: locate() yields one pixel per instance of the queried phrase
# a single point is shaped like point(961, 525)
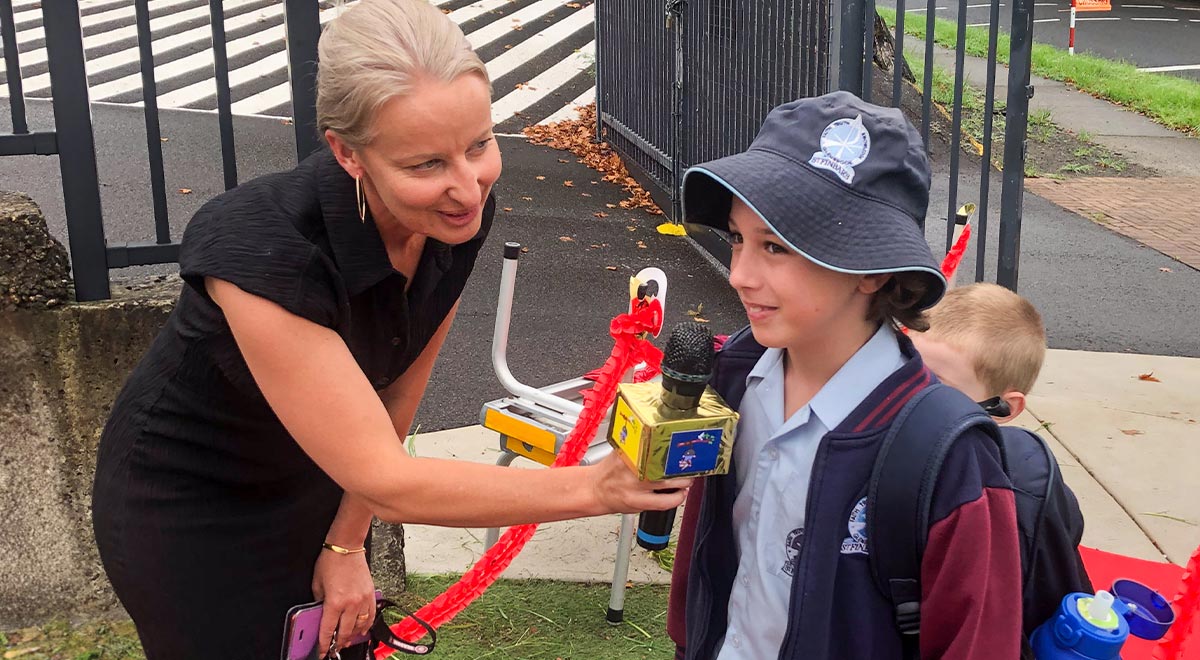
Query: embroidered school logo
point(791, 549)
point(856, 542)
point(844, 144)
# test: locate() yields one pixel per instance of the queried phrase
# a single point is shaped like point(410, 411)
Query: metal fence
point(73, 141)
point(718, 67)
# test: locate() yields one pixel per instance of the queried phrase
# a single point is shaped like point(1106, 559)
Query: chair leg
point(493, 533)
point(616, 598)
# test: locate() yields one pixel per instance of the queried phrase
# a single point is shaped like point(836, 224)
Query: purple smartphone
point(303, 629)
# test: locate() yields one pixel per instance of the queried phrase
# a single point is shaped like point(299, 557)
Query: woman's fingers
point(619, 489)
point(329, 625)
point(364, 617)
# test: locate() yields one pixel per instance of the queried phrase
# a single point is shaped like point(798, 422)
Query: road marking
point(1047, 20)
point(1100, 18)
point(544, 83)
point(1142, 6)
point(36, 33)
point(988, 4)
point(534, 46)
point(166, 45)
point(1157, 20)
point(913, 11)
point(978, 24)
point(498, 28)
point(571, 110)
point(1165, 69)
point(38, 56)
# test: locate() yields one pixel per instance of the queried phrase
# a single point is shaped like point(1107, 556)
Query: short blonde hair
point(1001, 332)
point(379, 49)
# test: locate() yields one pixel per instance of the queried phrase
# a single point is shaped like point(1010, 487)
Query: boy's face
point(790, 300)
point(956, 368)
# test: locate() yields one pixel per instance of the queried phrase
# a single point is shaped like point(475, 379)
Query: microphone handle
point(654, 529)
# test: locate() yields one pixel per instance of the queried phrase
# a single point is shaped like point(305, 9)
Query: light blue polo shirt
point(773, 461)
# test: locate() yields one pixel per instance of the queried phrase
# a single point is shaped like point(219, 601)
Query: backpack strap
point(900, 495)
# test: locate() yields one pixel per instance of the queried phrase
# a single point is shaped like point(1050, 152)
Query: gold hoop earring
point(361, 198)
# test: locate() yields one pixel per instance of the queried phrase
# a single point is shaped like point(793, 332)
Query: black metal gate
point(695, 81)
point(74, 143)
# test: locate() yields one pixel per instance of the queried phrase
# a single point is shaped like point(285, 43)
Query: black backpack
point(900, 494)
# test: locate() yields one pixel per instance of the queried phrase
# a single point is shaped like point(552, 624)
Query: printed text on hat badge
point(844, 144)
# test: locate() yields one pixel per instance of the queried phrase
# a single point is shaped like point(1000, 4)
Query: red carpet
point(1105, 567)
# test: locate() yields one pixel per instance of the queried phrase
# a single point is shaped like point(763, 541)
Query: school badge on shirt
point(856, 542)
point(791, 549)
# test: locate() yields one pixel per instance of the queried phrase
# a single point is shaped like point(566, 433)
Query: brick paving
point(1161, 213)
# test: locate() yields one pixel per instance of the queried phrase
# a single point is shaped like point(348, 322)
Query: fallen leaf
point(540, 178)
point(566, 239)
point(185, 191)
point(163, 139)
point(507, 209)
point(699, 319)
point(610, 268)
point(671, 229)
point(611, 206)
point(568, 184)
point(528, 199)
point(574, 5)
point(630, 228)
point(1132, 432)
point(563, 160)
point(507, 46)
point(1149, 377)
point(1164, 269)
point(641, 245)
point(524, 249)
point(597, 245)
point(600, 214)
point(286, 122)
point(518, 28)
point(16, 653)
point(585, 194)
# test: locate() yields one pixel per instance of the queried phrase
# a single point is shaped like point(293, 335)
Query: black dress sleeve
point(250, 240)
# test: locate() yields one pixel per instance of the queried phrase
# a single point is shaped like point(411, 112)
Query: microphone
point(679, 428)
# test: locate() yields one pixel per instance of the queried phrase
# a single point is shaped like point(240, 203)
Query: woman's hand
point(344, 583)
point(619, 490)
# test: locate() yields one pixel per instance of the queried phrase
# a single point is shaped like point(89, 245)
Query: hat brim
point(827, 223)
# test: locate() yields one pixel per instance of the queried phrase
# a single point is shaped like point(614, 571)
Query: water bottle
point(1095, 626)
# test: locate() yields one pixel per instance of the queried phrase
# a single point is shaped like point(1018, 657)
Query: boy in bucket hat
point(773, 558)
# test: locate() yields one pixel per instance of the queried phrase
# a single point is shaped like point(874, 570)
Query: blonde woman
point(246, 455)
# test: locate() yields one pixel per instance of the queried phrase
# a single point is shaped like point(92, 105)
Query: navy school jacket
point(971, 570)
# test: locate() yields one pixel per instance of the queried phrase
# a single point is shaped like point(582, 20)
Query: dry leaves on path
point(1132, 432)
point(1149, 377)
point(576, 136)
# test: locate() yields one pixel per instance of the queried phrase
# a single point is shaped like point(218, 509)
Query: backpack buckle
point(908, 618)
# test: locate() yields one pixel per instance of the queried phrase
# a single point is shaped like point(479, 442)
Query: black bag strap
point(383, 634)
point(900, 495)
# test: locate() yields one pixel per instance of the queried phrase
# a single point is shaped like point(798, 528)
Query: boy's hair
point(898, 301)
point(1001, 332)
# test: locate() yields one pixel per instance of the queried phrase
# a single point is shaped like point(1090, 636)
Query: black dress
point(208, 516)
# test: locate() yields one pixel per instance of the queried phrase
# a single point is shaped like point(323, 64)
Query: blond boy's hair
point(1001, 332)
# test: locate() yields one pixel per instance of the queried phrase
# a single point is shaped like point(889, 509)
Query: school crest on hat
point(844, 144)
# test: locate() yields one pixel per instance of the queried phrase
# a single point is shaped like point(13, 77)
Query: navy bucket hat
point(841, 181)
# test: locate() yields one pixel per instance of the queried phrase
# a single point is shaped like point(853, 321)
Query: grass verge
point(1169, 100)
point(1053, 151)
point(515, 619)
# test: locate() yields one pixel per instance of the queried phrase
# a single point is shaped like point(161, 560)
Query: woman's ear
point(346, 157)
point(869, 284)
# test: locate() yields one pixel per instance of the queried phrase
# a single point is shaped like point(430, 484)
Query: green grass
point(514, 619)
point(1169, 100)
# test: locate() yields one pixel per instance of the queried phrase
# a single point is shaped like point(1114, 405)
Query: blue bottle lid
point(1150, 614)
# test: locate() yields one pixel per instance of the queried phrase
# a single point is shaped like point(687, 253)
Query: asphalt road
point(1155, 34)
point(1096, 289)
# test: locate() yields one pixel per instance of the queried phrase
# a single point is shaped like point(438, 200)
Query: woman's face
point(432, 162)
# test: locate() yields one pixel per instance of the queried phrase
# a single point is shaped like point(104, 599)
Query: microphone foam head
point(689, 353)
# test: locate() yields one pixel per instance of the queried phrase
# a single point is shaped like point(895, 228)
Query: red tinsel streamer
point(629, 349)
point(1186, 605)
point(955, 255)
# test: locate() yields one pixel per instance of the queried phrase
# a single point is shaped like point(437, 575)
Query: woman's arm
point(313, 384)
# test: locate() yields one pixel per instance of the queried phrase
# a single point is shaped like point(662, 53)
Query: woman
point(246, 455)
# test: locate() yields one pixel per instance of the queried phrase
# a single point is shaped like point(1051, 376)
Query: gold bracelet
point(342, 551)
